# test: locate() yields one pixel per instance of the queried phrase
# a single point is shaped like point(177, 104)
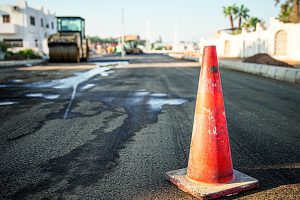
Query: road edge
point(291, 75)
point(16, 63)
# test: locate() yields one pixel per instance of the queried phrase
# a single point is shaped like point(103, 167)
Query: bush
point(22, 55)
point(13, 56)
point(237, 31)
point(29, 53)
point(3, 47)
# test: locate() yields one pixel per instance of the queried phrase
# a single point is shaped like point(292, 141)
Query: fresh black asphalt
point(125, 129)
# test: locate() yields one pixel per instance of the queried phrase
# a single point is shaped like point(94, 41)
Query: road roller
point(69, 44)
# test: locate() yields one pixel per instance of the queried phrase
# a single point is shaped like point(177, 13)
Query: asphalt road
point(113, 133)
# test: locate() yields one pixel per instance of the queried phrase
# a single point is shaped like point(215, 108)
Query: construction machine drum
point(64, 53)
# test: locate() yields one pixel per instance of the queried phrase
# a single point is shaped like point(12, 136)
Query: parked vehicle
point(70, 43)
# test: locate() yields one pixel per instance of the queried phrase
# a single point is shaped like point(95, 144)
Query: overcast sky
point(194, 18)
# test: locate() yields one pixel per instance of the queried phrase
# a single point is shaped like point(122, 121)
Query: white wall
point(261, 41)
point(20, 27)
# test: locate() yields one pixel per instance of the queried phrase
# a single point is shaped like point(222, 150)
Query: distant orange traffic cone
point(210, 174)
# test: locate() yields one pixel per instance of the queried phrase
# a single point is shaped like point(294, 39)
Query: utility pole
point(148, 44)
point(123, 34)
point(175, 37)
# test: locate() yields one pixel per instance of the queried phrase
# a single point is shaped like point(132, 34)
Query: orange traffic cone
point(210, 174)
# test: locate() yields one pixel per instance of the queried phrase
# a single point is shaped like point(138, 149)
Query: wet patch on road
point(87, 164)
point(71, 82)
point(83, 147)
point(84, 165)
point(87, 108)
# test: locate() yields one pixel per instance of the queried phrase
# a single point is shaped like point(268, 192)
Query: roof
point(75, 17)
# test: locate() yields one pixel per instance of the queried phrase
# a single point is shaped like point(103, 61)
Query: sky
point(194, 19)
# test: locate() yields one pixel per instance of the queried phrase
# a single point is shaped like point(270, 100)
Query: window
point(36, 43)
point(70, 24)
point(13, 42)
point(280, 43)
point(42, 23)
point(52, 25)
point(227, 48)
point(32, 21)
point(47, 26)
point(6, 18)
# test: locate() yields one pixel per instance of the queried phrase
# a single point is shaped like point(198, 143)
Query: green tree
point(95, 39)
point(231, 12)
point(289, 11)
point(250, 23)
point(242, 14)
point(285, 12)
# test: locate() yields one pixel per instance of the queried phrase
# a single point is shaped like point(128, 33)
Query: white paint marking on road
point(118, 64)
point(72, 82)
point(155, 100)
point(7, 103)
point(51, 96)
point(66, 83)
point(71, 101)
point(17, 81)
point(88, 86)
point(107, 73)
point(141, 93)
point(157, 104)
point(76, 80)
point(46, 96)
point(159, 95)
point(142, 90)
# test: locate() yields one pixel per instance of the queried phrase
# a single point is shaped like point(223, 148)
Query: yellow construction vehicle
point(132, 44)
point(70, 43)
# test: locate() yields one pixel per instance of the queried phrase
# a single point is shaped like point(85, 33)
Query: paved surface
point(112, 134)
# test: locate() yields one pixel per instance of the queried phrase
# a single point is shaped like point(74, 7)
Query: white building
point(22, 27)
point(280, 40)
point(185, 46)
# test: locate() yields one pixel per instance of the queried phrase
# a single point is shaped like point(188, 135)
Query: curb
point(291, 75)
point(191, 58)
point(13, 63)
point(269, 71)
point(180, 56)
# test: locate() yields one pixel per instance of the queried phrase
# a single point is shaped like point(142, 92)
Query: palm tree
point(242, 14)
point(285, 12)
point(251, 23)
point(230, 11)
point(294, 13)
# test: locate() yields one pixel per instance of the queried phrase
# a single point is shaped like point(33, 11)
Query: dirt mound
point(263, 58)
